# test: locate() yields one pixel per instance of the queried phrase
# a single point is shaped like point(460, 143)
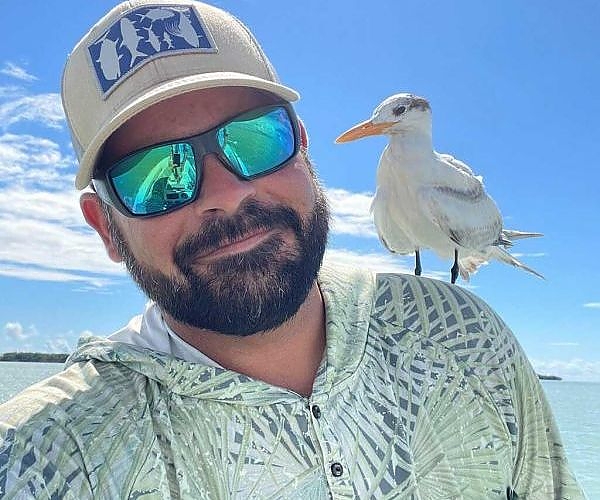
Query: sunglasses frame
point(202, 144)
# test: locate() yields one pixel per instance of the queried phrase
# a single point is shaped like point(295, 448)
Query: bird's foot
point(417, 263)
point(455, 269)
point(454, 275)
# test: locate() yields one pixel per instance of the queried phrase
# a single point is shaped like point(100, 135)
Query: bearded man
point(254, 371)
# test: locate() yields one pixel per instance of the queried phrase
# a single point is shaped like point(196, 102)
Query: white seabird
point(426, 199)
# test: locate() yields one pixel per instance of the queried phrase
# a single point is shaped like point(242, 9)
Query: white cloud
point(576, 369)
point(518, 255)
point(10, 91)
point(44, 274)
point(44, 235)
point(65, 342)
point(31, 160)
point(46, 238)
point(592, 305)
point(378, 262)
point(43, 232)
point(45, 109)
point(350, 213)
point(59, 345)
point(53, 246)
point(11, 69)
point(16, 331)
point(37, 204)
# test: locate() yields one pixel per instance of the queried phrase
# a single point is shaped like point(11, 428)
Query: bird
point(430, 200)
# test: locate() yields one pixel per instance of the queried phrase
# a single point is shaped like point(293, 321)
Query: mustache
point(252, 216)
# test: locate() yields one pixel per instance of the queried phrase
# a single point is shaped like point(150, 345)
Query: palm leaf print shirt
point(423, 393)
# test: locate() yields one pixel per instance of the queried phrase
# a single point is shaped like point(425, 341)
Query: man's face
point(240, 259)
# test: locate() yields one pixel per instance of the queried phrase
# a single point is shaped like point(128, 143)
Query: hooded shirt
point(423, 392)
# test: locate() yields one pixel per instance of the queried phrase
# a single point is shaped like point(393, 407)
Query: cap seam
point(258, 49)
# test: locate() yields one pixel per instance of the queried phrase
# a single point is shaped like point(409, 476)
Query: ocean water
point(576, 407)
point(15, 376)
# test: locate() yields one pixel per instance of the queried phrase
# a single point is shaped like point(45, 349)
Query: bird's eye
point(399, 110)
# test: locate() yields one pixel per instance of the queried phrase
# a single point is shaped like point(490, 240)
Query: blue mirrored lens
point(156, 179)
point(256, 145)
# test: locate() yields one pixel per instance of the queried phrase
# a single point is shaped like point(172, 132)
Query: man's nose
point(221, 190)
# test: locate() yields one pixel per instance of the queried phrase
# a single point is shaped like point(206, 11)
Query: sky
point(513, 89)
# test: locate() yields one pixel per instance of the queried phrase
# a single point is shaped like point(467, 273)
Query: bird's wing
point(455, 200)
point(457, 164)
point(388, 226)
point(467, 215)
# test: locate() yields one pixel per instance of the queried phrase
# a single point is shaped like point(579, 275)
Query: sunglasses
point(158, 179)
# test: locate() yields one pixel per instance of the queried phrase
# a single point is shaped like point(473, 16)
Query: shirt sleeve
point(541, 470)
point(30, 471)
point(40, 453)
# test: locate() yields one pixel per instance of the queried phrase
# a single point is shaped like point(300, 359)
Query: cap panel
point(142, 52)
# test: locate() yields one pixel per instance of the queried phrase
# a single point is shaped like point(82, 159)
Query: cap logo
point(144, 34)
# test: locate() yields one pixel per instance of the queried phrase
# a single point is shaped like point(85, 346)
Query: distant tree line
point(39, 357)
point(45, 357)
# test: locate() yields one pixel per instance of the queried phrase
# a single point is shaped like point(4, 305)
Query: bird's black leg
point(417, 263)
point(454, 269)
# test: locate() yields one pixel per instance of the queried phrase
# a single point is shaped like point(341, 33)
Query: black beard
point(245, 293)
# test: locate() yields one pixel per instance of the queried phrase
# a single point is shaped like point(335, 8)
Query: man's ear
point(303, 135)
point(94, 215)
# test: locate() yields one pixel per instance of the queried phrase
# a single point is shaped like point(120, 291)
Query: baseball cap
point(145, 51)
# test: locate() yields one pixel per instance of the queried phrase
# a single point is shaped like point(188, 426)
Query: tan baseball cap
point(145, 51)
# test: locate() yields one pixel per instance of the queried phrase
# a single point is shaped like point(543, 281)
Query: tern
point(430, 200)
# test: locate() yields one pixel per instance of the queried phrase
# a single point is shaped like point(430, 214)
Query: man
point(254, 372)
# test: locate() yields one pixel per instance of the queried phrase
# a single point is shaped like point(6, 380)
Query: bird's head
point(396, 114)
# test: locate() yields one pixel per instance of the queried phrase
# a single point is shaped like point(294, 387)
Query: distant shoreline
point(34, 357)
point(42, 357)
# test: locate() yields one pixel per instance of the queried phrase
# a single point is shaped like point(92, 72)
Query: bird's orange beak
point(363, 129)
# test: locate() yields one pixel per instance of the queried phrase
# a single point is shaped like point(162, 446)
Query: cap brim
point(165, 91)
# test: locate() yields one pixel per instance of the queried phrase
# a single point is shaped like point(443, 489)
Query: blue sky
point(513, 87)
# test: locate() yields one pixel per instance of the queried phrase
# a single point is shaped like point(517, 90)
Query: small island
point(34, 357)
point(45, 357)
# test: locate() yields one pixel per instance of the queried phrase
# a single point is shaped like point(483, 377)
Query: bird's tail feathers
point(511, 234)
point(469, 265)
point(506, 243)
point(502, 255)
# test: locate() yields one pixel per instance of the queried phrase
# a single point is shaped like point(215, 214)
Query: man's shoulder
point(70, 398)
point(417, 314)
point(420, 304)
point(445, 314)
point(58, 433)
point(425, 299)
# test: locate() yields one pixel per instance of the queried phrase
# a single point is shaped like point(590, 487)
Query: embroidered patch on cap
point(144, 34)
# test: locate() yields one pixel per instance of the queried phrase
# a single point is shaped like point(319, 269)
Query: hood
point(348, 296)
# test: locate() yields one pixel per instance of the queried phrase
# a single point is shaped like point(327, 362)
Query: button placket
point(337, 469)
point(316, 411)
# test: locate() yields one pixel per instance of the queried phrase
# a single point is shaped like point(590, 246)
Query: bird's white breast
point(432, 203)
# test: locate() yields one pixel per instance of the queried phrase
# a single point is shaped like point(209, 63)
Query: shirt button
point(336, 469)
point(316, 411)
